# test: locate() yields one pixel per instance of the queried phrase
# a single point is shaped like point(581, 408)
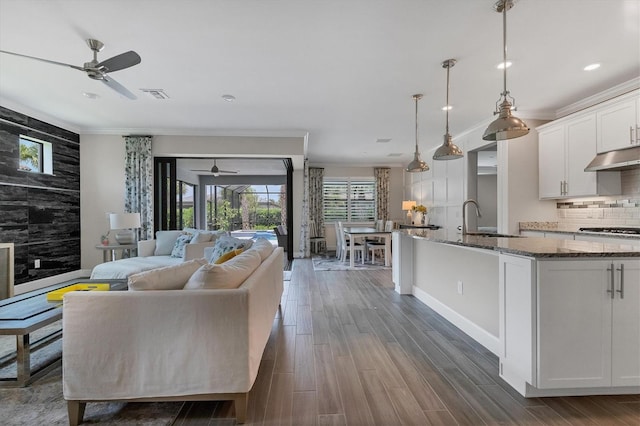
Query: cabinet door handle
point(621, 291)
point(610, 287)
point(631, 141)
point(561, 188)
point(566, 187)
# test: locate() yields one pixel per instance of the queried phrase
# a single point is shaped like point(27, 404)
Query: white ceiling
point(341, 70)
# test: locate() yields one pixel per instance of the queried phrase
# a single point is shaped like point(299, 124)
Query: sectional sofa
point(189, 343)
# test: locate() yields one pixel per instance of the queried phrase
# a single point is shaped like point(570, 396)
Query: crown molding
point(620, 89)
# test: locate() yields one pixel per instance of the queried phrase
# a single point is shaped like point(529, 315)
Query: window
point(349, 200)
point(35, 155)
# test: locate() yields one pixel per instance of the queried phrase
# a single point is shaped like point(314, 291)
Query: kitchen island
point(563, 316)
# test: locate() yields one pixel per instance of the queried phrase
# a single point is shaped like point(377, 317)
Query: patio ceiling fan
point(215, 170)
point(99, 70)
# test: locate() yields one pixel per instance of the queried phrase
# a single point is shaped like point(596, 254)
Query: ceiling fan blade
point(227, 171)
point(120, 62)
point(118, 87)
point(44, 60)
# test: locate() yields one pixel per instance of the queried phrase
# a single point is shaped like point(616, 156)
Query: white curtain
point(139, 182)
point(382, 192)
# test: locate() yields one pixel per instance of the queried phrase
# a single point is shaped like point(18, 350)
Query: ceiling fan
point(99, 70)
point(215, 170)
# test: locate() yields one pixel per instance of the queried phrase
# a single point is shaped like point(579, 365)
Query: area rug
point(42, 403)
point(330, 263)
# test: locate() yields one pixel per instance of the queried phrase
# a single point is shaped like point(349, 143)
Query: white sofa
point(148, 258)
point(166, 345)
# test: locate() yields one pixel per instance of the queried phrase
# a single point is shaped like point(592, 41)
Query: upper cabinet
point(619, 123)
point(565, 147)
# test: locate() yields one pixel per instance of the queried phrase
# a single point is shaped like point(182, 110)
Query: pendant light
point(506, 126)
point(417, 165)
point(448, 150)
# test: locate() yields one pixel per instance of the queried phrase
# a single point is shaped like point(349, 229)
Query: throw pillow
point(227, 256)
point(167, 278)
point(202, 237)
point(178, 247)
point(230, 274)
point(165, 240)
point(225, 244)
point(263, 247)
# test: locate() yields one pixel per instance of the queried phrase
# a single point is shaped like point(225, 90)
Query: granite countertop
point(557, 229)
point(528, 246)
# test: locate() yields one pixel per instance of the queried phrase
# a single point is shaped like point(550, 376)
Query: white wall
point(102, 189)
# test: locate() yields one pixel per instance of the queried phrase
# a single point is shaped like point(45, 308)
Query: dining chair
point(374, 246)
point(316, 237)
point(345, 249)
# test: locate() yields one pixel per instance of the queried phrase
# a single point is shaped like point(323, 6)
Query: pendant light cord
point(504, 44)
point(417, 98)
point(448, 107)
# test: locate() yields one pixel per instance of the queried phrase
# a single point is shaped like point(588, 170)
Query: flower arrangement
point(419, 208)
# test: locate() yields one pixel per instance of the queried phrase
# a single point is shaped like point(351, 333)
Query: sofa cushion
point(167, 278)
point(225, 244)
point(178, 246)
point(203, 237)
point(228, 256)
point(165, 240)
point(263, 247)
point(226, 275)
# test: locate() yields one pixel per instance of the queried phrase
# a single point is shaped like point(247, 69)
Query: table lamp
point(408, 206)
point(124, 223)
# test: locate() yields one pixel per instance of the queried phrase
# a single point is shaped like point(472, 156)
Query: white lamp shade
point(408, 205)
point(124, 220)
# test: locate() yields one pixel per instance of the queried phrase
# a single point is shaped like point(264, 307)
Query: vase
point(417, 218)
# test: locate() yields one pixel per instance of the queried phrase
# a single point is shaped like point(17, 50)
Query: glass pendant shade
point(506, 126)
point(448, 150)
point(417, 165)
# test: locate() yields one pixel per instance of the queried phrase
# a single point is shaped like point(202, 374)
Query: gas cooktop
point(613, 230)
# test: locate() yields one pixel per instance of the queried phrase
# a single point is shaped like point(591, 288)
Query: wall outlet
point(460, 287)
point(37, 263)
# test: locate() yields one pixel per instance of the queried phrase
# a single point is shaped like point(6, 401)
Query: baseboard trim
point(477, 333)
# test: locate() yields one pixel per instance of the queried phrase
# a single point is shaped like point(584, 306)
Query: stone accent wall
point(40, 213)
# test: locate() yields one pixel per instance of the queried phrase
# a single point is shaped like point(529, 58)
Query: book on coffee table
point(57, 295)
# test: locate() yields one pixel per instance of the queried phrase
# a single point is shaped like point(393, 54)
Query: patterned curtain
point(382, 193)
point(305, 250)
point(139, 182)
point(316, 199)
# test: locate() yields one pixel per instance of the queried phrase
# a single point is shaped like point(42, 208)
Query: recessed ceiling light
point(500, 66)
point(592, 67)
point(447, 108)
point(229, 98)
point(90, 95)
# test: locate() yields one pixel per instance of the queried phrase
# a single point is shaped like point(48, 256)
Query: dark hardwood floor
point(348, 350)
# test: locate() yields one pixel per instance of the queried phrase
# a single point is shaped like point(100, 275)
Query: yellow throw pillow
point(229, 255)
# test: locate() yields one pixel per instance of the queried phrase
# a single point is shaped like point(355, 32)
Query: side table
point(111, 250)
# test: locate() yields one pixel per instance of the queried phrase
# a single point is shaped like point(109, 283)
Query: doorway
point(483, 186)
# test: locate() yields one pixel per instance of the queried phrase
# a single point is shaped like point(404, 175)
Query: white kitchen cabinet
point(565, 148)
point(608, 239)
point(402, 262)
point(618, 124)
point(588, 323)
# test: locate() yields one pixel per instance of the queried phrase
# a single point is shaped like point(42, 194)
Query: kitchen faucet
point(464, 215)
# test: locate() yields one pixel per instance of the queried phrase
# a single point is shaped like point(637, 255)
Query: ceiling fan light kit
point(99, 70)
point(448, 150)
point(417, 165)
point(506, 126)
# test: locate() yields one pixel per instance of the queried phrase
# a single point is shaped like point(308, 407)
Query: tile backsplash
point(623, 210)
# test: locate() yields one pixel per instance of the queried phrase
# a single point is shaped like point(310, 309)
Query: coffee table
point(22, 315)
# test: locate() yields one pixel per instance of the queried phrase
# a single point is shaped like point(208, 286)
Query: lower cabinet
point(585, 323)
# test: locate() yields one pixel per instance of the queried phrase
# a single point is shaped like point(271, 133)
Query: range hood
point(621, 159)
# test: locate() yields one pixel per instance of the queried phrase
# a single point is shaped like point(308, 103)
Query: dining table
point(368, 231)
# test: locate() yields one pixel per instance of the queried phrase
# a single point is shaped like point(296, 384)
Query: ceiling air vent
point(155, 93)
